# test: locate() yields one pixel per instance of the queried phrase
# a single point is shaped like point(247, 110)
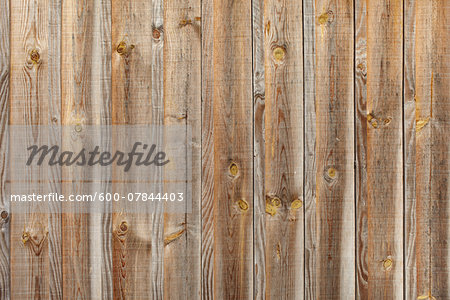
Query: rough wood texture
point(432, 103)
point(132, 103)
point(233, 158)
point(28, 95)
point(320, 148)
point(281, 205)
point(335, 210)
point(182, 105)
point(384, 149)
point(4, 121)
point(360, 69)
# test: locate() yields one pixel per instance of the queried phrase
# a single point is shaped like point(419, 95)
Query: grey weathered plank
point(409, 138)
point(182, 105)
point(207, 155)
point(132, 103)
point(4, 121)
point(384, 149)
point(361, 148)
point(309, 28)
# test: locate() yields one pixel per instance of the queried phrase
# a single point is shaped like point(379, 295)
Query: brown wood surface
point(320, 148)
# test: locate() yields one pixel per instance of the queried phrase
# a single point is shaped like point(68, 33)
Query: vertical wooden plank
point(384, 149)
point(100, 227)
point(309, 157)
point(29, 106)
point(78, 111)
point(233, 157)
point(283, 183)
point(54, 87)
point(4, 121)
point(207, 158)
point(432, 103)
point(335, 211)
point(361, 148)
point(259, 223)
point(132, 103)
point(409, 155)
point(182, 105)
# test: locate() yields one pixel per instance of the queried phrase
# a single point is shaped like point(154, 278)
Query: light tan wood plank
point(384, 149)
point(335, 208)
point(29, 106)
point(282, 204)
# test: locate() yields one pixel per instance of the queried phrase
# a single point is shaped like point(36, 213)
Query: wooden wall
point(320, 147)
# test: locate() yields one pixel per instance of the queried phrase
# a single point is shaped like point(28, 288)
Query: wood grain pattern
point(409, 138)
point(182, 105)
point(309, 157)
point(233, 167)
point(28, 95)
point(384, 149)
point(4, 146)
point(282, 203)
point(360, 69)
point(207, 158)
point(133, 103)
point(79, 103)
point(432, 102)
point(335, 150)
point(320, 148)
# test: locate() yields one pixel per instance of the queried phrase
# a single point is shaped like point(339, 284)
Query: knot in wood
point(35, 57)
point(279, 53)
point(233, 169)
point(242, 204)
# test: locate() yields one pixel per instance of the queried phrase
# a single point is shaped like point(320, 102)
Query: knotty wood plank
point(4, 121)
point(335, 211)
point(259, 223)
point(409, 136)
point(182, 105)
point(132, 103)
point(207, 158)
point(384, 149)
point(282, 203)
point(29, 106)
point(55, 220)
point(77, 112)
point(233, 158)
point(432, 103)
point(361, 148)
point(100, 226)
point(309, 157)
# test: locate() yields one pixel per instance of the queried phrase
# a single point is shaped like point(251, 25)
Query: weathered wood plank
point(384, 149)
point(207, 158)
point(132, 103)
point(259, 223)
point(282, 203)
point(4, 121)
point(309, 157)
point(54, 130)
point(233, 167)
point(361, 148)
point(432, 104)
point(182, 105)
point(335, 211)
point(409, 138)
point(78, 111)
point(29, 106)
